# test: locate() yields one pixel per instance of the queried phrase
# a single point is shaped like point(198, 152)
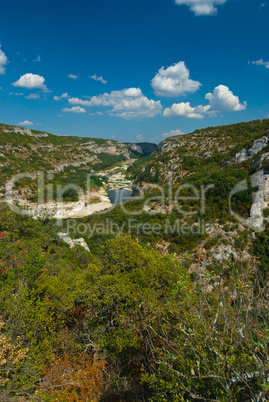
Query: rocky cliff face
point(256, 220)
point(142, 148)
point(246, 154)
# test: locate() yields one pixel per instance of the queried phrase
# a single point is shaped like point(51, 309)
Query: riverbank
point(114, 190)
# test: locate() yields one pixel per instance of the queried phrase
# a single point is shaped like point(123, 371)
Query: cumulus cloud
point(261, 63)
point(26, 123)
point(172, 133)
point(127, 103)
point(74, 77)
point(75, 109)
point(223, 100)
point(3, 61)
point(96, 78)
point(63, 96)
point(184, 109)
point(174, 81)
point(31, 81)
point(32, 96)
point(202, 7)
point(38, 59)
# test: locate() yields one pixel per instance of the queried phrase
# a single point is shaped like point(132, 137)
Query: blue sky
point(133, 71)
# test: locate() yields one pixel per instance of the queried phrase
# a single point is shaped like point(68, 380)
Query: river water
point(119, 195)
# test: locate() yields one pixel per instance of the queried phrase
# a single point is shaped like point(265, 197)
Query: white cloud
point(26, 123)
point(96, 78)
point(185, 110)
point(3, 61)
point(96, 114)
point(172, 133)
point(31, 81)
point(127, 103)
point(94, 101)
point(261, 63)
point(74, 77)
point(139, 137)
point(38, 59)
point(174, 81)
point(136, 108)
point(202, 7)
point(63, 96)
point(75, 109)
point(16, 93)
point(223, 100)
point(32, 96)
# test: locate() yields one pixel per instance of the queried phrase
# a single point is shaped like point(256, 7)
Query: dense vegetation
point(136, 325)
point(107, 161)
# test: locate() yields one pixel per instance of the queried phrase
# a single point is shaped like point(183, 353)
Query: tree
point(11, 355)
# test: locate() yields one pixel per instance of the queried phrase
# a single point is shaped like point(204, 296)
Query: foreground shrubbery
point(125, 323)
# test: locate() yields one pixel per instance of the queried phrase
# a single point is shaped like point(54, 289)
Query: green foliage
point(134, 170)
point(261, 250)
point(70, 195)
point(191, 163)
point(164, 334)
point(211, 243)
point(107, 161)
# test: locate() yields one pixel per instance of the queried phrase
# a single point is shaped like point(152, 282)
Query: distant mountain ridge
point(142, 148)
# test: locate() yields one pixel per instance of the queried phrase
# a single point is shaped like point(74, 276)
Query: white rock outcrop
point(72, 242)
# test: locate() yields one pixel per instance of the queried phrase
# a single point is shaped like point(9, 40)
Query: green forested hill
point(24, 150)
point(202, 151)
